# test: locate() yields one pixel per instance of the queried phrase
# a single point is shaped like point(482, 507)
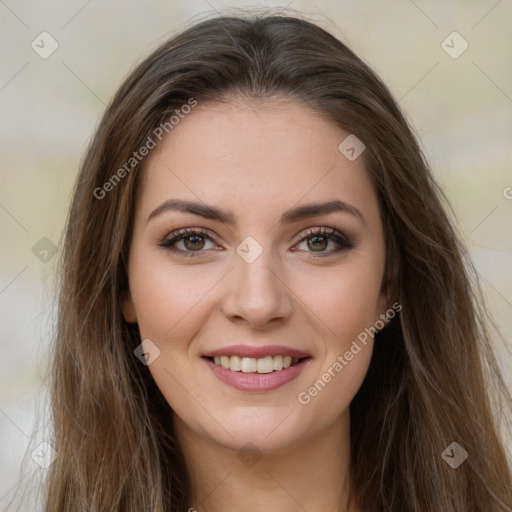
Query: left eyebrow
point(314, 209)
point(288, 217)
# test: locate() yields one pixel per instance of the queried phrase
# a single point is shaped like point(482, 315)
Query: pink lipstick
point(256, 368)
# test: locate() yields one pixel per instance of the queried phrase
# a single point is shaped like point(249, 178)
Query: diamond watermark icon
point(147, 352)
point(351, 147)
point(44, 455)
point(249, 249)
point(44, 45)
point(454, 45)
point(454, 455)
point(44, 250)
point(249, 455)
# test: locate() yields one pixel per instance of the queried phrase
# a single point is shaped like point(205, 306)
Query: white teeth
point(266, 364)
point(278, 363)
point(249, 364)
point(235, 363)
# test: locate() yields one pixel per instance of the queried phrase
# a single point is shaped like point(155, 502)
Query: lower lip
point(257, 381)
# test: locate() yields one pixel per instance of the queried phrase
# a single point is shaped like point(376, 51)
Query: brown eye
point(192, 240)
point(317, 240)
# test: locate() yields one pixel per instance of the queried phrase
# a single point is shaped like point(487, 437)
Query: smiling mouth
point(266, 364)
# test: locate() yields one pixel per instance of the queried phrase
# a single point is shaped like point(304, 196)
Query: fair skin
point(257, 163)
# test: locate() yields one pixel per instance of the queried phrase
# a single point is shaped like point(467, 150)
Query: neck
point(311, 475)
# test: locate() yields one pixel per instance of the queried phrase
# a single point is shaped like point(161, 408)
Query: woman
point(206, 358)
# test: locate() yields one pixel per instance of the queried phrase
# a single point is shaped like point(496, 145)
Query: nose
point(257, 292)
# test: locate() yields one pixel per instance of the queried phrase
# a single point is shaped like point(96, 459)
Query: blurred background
point(448, 63)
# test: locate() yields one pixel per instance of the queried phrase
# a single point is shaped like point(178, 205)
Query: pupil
point(194, 245)
point(315, 244)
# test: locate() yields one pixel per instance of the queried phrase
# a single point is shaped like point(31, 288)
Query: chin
point(268, 428)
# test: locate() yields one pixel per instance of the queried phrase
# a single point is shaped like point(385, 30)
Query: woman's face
point(260, 276)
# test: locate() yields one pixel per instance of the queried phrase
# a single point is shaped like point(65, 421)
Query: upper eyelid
point(208, 232)
point(181, 233)
point(325, 230)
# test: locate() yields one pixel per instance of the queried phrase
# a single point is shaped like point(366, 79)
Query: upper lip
point(256, 352)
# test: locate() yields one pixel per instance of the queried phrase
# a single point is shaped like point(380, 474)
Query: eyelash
point(329, 233)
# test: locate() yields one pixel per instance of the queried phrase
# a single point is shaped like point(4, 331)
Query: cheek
point(169, 301)
point(345, 302)
point(172, 305)
point(346, 305)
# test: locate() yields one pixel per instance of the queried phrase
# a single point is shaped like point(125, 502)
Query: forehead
point(254, 157)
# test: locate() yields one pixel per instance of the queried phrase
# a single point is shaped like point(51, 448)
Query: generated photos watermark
point(304, 397)
point(143, 151)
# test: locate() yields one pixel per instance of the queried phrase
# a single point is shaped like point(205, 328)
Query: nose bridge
point(257, 292)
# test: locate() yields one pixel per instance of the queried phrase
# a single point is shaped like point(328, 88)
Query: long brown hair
point(433, 379)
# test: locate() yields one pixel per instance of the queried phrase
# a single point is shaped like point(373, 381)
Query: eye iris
point(198, 241)
point(322, 244)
